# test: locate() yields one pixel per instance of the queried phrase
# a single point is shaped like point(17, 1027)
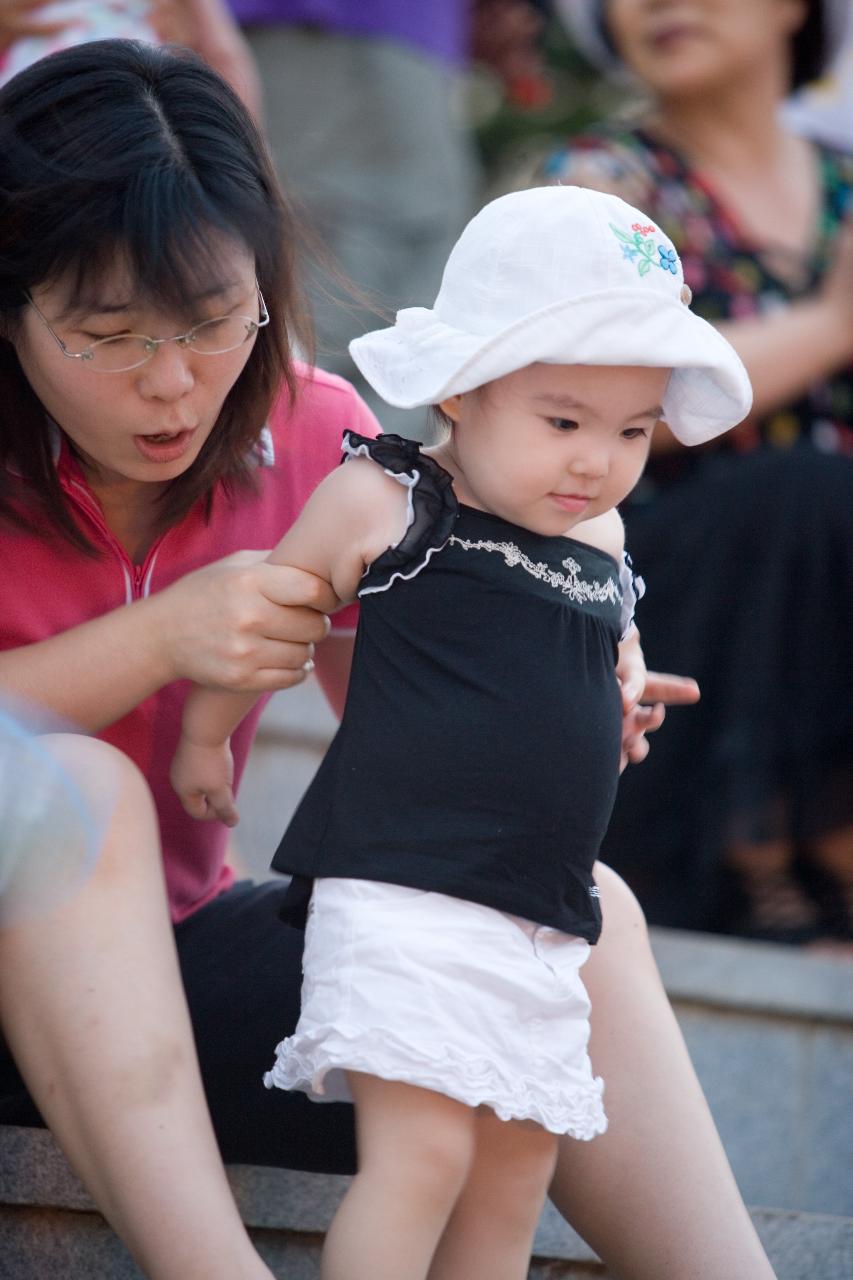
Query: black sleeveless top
point(478, 753)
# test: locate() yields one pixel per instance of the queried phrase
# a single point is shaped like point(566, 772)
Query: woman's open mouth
point(163, 446)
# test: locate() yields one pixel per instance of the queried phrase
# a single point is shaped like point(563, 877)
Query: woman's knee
point(79, 809)
point(110, 809)
point(96, 768)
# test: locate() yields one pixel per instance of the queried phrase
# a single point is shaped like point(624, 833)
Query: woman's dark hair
point(120, 152)
point(812, 48)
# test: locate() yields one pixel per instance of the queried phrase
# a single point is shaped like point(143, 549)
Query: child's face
point(553, 445)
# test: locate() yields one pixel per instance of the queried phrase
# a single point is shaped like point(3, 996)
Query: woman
point(744, 819)
point(131, 463)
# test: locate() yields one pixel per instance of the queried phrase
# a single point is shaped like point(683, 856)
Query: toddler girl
point(444, 849)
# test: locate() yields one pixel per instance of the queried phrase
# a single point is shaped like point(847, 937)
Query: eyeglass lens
point(210, 338)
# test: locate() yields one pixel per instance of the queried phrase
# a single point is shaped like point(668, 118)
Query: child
point(447, 841)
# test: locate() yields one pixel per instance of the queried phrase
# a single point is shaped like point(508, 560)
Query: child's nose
point(590, 461)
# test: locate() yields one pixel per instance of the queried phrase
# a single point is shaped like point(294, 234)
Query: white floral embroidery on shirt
point(570, 584)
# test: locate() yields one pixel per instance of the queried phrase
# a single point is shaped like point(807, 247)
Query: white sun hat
point(560, 275)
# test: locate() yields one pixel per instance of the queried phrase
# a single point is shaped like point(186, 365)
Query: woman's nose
point(168, 374)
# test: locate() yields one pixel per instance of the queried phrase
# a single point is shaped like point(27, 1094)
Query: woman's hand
point(20, 18)
point(641, 687)
point(209, 27)
point(242, 624)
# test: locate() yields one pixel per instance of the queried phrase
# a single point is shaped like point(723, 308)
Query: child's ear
point(452, 407)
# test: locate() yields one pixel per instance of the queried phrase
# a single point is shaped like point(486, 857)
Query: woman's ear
point(452, 407)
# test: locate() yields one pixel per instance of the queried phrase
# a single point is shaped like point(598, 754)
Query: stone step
point(49, 1227)
point(770, 1033)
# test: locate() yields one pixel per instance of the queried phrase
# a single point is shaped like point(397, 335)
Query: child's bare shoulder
point(605, 532)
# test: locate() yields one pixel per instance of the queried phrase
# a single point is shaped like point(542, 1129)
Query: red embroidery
point(647, 230)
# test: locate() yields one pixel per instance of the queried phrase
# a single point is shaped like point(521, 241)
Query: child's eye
point(563, 424)
point(635, 433)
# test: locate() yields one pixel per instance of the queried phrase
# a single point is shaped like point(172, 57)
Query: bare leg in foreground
point(92, 1007)
point(655, 1195)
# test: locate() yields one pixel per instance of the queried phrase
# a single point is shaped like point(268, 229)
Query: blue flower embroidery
point(668, 259)
point(628, 252)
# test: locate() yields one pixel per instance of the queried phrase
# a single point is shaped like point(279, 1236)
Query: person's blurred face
point(685, 47)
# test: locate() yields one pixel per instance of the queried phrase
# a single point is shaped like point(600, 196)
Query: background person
point(364, 104)
point(744, 820)
point(31, 29)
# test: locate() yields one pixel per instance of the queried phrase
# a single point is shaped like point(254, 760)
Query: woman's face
point(145, 425)
point(679, 47)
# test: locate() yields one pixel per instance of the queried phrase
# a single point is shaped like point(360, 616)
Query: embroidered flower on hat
point(636, 248)
point(668, 259)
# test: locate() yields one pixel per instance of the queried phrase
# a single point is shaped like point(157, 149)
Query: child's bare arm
point(352, 516)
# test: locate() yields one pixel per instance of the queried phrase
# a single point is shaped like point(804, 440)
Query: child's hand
point(203, 778)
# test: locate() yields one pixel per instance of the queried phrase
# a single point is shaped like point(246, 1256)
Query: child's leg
point(490, 1232)
point(415, 1148)
point(92, 1007)
point(654, 1195)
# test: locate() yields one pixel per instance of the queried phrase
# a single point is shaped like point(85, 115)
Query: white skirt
point(445, 994)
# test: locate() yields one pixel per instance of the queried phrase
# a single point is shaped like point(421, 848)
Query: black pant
point(242, 971)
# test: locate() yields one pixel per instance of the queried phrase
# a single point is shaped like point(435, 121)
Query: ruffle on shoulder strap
point(432, 507)
point(633, 588)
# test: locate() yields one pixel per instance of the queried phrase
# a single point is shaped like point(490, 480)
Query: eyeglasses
point(130, 350)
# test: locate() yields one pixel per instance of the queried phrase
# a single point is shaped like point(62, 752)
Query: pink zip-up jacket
point(46, 587)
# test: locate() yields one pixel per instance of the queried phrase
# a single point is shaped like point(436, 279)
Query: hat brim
point(421, 360)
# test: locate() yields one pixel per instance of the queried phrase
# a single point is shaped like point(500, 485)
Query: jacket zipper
point(137, 577)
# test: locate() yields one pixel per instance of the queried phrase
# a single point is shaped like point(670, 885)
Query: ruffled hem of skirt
point(303, 1062)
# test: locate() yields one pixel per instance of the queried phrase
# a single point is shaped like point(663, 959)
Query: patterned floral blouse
point(731, 278)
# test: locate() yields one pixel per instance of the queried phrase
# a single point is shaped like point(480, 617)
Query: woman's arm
point(238, 623)
point(786, 353)
point(22, 18)
point(209, 27)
